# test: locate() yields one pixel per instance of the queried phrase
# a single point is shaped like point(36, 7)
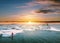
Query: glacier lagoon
point(36, 33)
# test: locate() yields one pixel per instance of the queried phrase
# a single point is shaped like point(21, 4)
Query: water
point(28, 33)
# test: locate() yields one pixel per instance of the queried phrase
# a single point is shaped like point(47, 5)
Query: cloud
point(46, 6)
point(46, 9)
point(34, 3)
point(28, 5)
point(50, 6)
point(56, 1)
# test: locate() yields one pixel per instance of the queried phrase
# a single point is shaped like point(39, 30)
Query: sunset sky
point(33, 10)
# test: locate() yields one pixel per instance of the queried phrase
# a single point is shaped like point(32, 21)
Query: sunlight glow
point(30, 22)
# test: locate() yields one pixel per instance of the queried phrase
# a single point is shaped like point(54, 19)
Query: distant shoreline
point(20, 22)
point(33, 21)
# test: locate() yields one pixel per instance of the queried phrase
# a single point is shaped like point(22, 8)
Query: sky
point(29, 10)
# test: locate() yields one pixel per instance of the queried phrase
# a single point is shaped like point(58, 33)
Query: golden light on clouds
point(28, 18)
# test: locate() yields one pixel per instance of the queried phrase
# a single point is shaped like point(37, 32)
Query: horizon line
point(34, 21)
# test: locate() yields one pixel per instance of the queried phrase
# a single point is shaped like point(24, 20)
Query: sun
point(30, 22)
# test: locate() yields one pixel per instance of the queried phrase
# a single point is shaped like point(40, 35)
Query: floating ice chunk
point(6, 35)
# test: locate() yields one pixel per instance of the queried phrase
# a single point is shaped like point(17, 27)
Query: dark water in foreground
point(42, 36)
point(37, 36)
